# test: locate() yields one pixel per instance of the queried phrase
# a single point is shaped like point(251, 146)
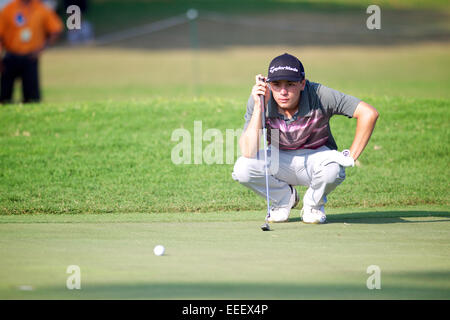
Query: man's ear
point(302, 85)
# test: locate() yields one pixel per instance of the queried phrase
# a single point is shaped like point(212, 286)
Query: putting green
point(226, 255)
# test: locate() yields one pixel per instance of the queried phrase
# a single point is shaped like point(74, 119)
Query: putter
point(265, 226)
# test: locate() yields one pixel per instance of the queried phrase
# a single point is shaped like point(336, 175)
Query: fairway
point(92, 177)
point(226, 256)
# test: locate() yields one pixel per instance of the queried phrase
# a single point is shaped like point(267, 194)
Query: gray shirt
point(309, 128)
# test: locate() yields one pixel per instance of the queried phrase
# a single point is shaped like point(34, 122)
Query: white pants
point(295, 167)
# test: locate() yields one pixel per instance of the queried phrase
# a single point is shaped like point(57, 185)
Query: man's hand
point(260, 88)
point(36, 53)
point(51, 39)
point(343, 158)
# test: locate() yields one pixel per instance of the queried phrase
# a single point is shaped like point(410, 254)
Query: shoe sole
point(278, 221)
point(318, 222)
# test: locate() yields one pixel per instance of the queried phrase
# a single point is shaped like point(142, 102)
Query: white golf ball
point(159, 250)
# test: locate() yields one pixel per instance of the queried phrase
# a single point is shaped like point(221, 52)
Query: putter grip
point(263, 107)
point(263, 120)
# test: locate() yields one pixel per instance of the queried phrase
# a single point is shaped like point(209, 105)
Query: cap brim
point(288, 78)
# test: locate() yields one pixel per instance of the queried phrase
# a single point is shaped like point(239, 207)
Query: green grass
point(116, 157)
point(226, 256)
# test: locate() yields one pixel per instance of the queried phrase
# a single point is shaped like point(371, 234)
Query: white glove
point(343, 158)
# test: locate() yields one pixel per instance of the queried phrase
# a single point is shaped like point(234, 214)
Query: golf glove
point(343, 158)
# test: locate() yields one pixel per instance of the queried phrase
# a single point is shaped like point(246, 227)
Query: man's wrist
point(257, 108)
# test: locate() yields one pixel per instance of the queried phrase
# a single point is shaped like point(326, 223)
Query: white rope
point(142, 30)
point(250, 22)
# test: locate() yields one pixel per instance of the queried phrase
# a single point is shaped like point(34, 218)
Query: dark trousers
point(24, 67)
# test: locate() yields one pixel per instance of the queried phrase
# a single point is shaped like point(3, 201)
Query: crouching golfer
point(298, 112)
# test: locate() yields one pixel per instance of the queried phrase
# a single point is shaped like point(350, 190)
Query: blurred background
point(144, 48)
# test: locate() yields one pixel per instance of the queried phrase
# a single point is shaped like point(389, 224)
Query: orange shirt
point(24, 27)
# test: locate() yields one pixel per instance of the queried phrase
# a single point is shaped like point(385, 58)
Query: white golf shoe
point(312, 215)
point(281, 214)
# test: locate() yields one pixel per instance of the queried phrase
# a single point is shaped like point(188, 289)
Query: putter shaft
point(265, 227)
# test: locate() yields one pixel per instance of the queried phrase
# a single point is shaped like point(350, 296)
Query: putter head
point(265, 227)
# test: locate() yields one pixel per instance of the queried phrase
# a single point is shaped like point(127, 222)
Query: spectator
point(27, 27)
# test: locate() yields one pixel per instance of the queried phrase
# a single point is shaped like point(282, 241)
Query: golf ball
point(159, 250)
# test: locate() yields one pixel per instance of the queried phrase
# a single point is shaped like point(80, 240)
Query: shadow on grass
point(436, 287)
point(382, 217)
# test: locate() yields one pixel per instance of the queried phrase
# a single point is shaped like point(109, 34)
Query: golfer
point(302, 149)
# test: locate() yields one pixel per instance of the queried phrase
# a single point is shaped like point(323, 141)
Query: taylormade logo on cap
point(286, 67)
point(274, 69)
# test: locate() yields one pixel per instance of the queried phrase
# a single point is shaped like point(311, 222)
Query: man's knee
point(244, 169)
point(332, 173)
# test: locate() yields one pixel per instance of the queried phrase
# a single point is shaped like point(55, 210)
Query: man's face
point(287, 93)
